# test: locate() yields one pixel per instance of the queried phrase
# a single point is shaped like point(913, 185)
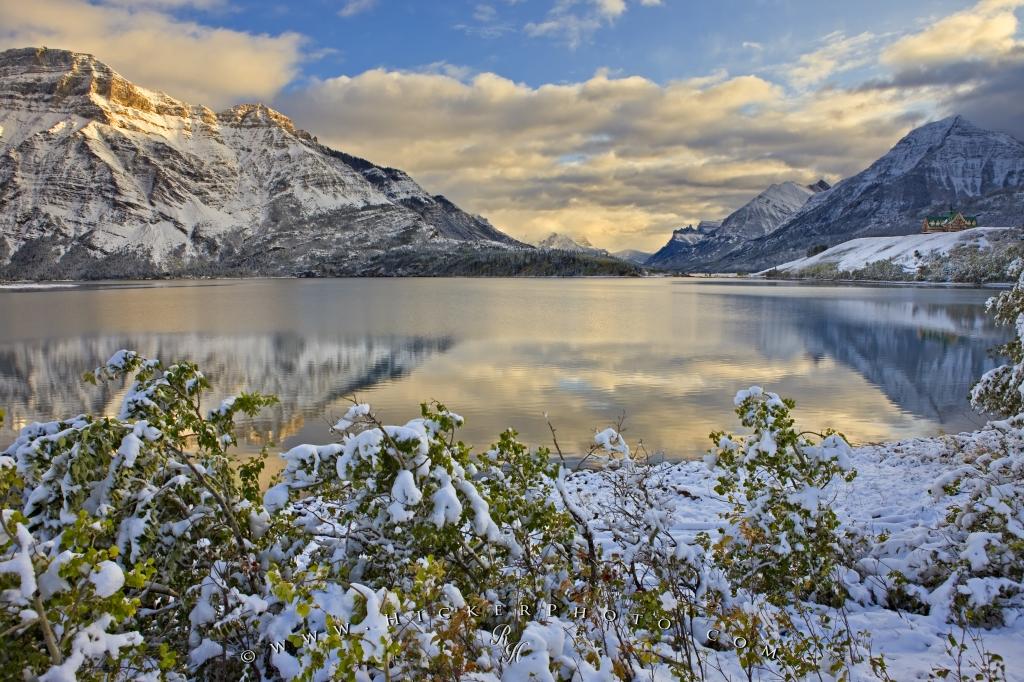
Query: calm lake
point(669, 354)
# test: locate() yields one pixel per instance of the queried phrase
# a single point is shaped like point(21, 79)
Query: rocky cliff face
point(949, 162)
point(102, 178)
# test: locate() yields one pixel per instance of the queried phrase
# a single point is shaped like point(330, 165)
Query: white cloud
point(610, 8)
point(354, 7)
point(575, 21)
point(838, 53)
point(198, 63)
point(486, 23)
point(485, 13)
point(988, 30)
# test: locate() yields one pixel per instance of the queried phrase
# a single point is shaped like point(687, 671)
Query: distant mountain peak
point(693, 247)
point(563, 242)
point(259, 115)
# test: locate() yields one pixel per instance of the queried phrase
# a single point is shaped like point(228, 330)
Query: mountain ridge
point(100, 177)
point(950, 162)
point(692, 248)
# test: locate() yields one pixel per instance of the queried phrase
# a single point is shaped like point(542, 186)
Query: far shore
point(41, 285)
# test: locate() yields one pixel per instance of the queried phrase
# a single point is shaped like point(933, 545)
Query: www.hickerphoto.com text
point(526, 611)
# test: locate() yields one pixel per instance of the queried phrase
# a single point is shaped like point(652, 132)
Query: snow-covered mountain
point(769, 209)
point(563, 242)
point(102, 178)
point(948, 162)
point(698, 248)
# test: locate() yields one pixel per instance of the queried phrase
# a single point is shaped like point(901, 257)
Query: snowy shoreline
point(894, 496)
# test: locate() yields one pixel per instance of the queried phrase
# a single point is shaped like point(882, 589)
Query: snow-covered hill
point(100, 177)
point(948, 162)
point(907, 252)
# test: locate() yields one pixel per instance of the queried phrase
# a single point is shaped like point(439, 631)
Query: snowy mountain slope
point(949, 162)
point(907, 252)
point(101, 178)
point(769, 209)
point(563, 242)
point(696, 249)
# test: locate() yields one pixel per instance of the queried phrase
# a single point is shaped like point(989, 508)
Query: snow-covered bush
point(116, 530)
point(780, 547)
point(983, 558)
point(781, 537)
point(139, 547)
point(1001, 390)
point(402, 521)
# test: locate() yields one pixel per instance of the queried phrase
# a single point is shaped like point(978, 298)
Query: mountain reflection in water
point(876, 363)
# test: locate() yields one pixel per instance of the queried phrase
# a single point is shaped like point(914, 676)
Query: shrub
point(780, 547)
point(880, 270)
point(1001, 390)
point(136, 547)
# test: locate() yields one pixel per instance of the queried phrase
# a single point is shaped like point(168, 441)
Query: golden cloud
point(203, 65)
point(620, 160)
point(985, 31)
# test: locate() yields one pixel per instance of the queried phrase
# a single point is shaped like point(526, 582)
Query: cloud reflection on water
point(669, 354)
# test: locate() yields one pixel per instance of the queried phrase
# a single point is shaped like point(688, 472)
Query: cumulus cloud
point(987, 30)
point(201, 64)
point(620, 159)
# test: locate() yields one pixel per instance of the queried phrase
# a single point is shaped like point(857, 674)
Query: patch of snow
point(108, 578)
point(906, 251)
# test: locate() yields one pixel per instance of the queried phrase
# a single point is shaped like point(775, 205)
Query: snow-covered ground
point(892, 494)
point(907, 251)
point(36, 285)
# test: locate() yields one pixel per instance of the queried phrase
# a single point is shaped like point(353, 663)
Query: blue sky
point(617, 120)
point(676, 39)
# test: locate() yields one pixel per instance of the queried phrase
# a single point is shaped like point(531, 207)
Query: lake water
point(669, 354)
